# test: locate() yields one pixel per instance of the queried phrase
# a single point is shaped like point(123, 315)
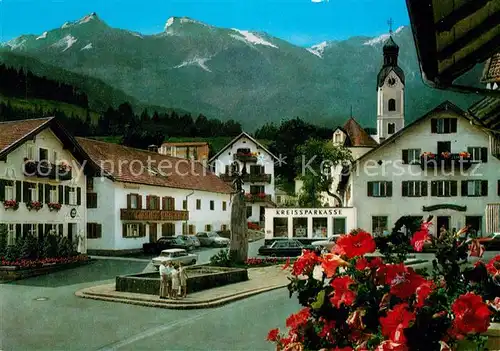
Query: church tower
point(390, 93)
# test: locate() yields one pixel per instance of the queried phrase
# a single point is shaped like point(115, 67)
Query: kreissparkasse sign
point(306, 211)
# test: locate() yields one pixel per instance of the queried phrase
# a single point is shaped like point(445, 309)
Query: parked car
point(491, 242)
point(166, 242)
point(284, 248)
point(191, 239)
point(175, 256)
point(212, 239)
point(328, 243)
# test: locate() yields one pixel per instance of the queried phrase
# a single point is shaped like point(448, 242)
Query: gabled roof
point(185, 143)
point(243, 134)
point(445, 106)
point(487, 112)
point(491, 72)
point(125, 164)
point(14, 133)
point(356, 135)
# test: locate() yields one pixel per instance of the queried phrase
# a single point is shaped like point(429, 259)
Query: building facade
point(190, 150)
point(42, 181)
point(247, 156)
point(428, 169)
point(144, 195)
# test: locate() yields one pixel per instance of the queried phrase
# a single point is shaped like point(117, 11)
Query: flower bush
point(54, 206)
point(268, 261)
point(355, 302)
point(11, 205)
point(34, 205)
point(21, 263)
point(253, 226)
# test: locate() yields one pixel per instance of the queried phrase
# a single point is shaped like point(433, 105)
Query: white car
point(327, 244)
point(175, 256)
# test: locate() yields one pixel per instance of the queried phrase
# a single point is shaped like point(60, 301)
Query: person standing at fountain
point(175, 283)
point(183, 279)
point(164, 286)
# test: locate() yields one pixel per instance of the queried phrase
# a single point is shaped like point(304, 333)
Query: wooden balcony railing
point(248, 178)
point(245, 157)
point(127, 214)
point(257, 198)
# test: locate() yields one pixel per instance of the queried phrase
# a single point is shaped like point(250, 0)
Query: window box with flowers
point(354, 302)
point(246, 156)
point(11, 205)
point(64, 171)
point(54, 206)
point(34, 205)
point(446, 160)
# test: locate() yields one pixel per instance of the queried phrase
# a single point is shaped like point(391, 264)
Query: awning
point(452, 36)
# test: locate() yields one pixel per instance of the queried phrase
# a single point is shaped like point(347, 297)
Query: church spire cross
point(390, 22)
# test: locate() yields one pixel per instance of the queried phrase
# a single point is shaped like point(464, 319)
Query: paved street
point(42, 313)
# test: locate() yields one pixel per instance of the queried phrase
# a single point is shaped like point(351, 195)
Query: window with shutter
point(405, 157)
point(224, 206)
point(433, 125)
point(184, 204)
point(423, 188)
point(484, 188)
point(198, 204)
point(484, 154)
point(19, 194)
point(184, 228)
point(212, 205)
point(78, 196)
point(465, 188)
point(47, 193)
point(2, 190)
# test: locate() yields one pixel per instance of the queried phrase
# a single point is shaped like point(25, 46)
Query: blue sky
point(301, 22)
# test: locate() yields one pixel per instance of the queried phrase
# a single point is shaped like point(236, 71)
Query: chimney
point(153, 148)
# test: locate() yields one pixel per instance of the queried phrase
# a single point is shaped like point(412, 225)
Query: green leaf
point(319, 300)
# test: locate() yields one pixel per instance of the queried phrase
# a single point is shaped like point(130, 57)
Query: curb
point(178, 305)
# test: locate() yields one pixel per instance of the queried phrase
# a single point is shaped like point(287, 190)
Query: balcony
point(446, 160)
point(245, 157)
point(44, 169)
point(248, 178)
point(254, 198)
point(127, 214)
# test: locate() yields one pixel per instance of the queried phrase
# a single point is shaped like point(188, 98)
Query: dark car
point(284, 248)
point(166, 242)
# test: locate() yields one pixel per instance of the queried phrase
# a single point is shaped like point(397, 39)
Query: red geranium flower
point(472, 315)
point(355, 244)
point(423, 292)
point(298, 319)
point(305, 263)
point(493, 266)
point(330, 263)
point(396, 321)
point(273, 335)
point(389, 345)
point(420, 238)
point(403, 280)
point(347, 348)
point(342, 293)
point(363, 263)
point(326, 331)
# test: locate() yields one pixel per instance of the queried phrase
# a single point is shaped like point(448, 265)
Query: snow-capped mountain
point(231, 73)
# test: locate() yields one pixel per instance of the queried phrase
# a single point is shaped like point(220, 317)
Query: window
point(184, 204)
point(198, 204)
point(391, 128)
point(278, 198)
point(43, 155)
point(337, 138)
point(94, 230)
point(411, 156)
point(444, 188)
point(414, 188)
point(11, 234)
point(212, 205)
point(339, 225)
point(168, 203)
point(134, 230)
point(9, 191)
point(208, 227)
point(474, 188)
point(184, 228)
point(379, 225)
point(30, 151)
point(443, 125)
point(91, 200)
point(71, 196)
point(478, 153)
point(256, 169)
point(224, 206)
point(33, 192)
point(33, 230)
point(192, 229)
point(168, 229)
point(392, 105)
point(443, 146)
point(256, 189)
point(223, 227)
point(134, 201)
point(55, 157)
point(249, 211)
point(90, 184)
point(152, 202)
point(53, 196)
point(380, 189)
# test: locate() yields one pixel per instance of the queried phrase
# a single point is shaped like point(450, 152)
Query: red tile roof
point(357, 135)
point(187, 143)
point(125, 164)
point(491, 72)
point(13, 131)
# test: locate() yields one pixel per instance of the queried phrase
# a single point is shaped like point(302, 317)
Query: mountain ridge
point(229, 73)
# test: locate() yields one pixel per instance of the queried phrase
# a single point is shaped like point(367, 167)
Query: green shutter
point(26, 192)
point(423, 188)
point(405, 156)
point(369, 188)
point(484, 154)
point(434, 188)
point(404, 188)
point(47, 193)
point(388, 191)
point(61, 229)
point(40, 192)
point(66, 195)
point(454, 188)
point(484, 188)
point(78, 196)
point(465, 188)
point(19, 194)
point(2, 190)
point(61, 194)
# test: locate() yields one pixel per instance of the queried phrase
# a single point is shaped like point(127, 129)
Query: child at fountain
point(175, 283)
point(183, 279)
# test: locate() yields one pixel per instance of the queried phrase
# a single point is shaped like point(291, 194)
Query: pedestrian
point(183, 280)
point(174, 292)
point(163, 280)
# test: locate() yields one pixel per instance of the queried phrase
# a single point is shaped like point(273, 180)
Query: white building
point(443, 165)
point(143, 195)
point(42, 184)
point(246, 155)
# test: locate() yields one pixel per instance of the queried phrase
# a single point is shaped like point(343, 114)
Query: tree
point(315, 166)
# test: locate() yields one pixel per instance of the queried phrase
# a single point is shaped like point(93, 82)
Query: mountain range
point(251, 77)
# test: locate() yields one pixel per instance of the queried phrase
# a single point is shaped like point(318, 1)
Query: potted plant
point(428, 155)
point(64, 167)
point(54, 206)
point(446, 154)
point(11, 205)
point(355, 302)
point(34, 205)
point(464, 155)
